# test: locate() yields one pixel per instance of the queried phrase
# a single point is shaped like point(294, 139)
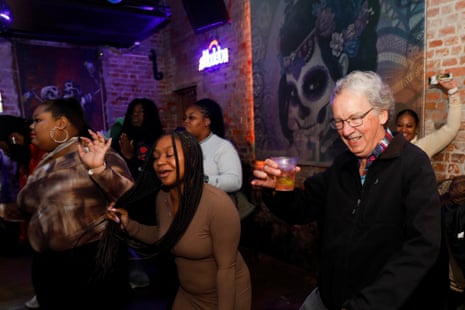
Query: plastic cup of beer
point(286, 181)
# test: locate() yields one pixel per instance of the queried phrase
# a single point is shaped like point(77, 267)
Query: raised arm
point(436, 141)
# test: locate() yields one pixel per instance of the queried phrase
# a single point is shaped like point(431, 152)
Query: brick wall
point(445, 38)
point(127, 74)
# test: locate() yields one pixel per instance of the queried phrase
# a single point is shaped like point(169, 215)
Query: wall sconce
point(6, 17)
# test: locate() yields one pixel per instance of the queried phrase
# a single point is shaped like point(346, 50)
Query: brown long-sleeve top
point(212, 272)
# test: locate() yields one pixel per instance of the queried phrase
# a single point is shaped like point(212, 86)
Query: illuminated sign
point(213, 56)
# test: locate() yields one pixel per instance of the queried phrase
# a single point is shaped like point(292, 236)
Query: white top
point(437, 140)
point(221, 163)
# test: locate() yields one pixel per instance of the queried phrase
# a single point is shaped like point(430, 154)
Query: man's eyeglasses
point(353, 121)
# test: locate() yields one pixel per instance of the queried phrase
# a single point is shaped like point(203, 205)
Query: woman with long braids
point(197, 222)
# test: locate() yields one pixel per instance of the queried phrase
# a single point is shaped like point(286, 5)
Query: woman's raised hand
point(92, 151)
point(448, 84)
point(126, 146)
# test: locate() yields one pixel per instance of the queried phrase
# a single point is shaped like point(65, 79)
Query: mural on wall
point(49, 72)
point(302, 47)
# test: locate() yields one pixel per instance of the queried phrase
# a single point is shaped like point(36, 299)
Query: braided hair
point(189, 189)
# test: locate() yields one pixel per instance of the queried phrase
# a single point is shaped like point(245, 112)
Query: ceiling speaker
point(205, 14)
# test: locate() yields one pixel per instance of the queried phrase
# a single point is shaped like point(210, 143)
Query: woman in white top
point(407, 123)
point(221, 163)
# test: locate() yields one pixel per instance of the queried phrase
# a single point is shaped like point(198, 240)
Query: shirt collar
point(379, 149)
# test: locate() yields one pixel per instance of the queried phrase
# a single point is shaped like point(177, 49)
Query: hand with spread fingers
point(92, 151)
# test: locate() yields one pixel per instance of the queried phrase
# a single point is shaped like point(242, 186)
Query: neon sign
point(213, 56)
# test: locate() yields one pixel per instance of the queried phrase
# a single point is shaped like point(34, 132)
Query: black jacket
point(381, 242)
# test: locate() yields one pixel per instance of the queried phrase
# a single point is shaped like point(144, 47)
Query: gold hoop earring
point(52, 135)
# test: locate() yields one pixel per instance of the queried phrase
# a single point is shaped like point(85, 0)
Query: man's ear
point(384, 117)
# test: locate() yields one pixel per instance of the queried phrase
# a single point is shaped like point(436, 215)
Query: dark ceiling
point(87, 22)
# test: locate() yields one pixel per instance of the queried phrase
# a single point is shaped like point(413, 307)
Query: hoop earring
point(52, 135)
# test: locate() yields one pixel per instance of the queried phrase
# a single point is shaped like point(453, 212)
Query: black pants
point(455, 300)
point(67, 280)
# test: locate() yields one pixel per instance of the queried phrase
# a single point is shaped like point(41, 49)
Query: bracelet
point(92, 172)
point(452, 91)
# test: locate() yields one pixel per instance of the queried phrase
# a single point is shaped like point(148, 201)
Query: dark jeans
point(67, 280)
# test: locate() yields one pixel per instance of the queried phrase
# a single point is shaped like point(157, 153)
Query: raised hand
point(92, 151)
point(126, 146)
point(447, 85)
